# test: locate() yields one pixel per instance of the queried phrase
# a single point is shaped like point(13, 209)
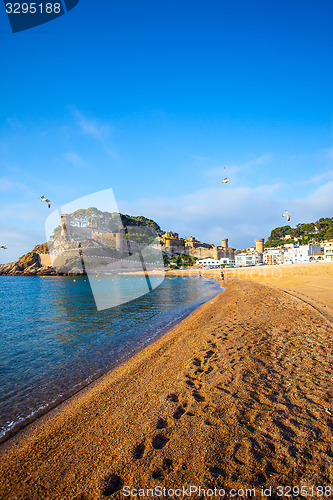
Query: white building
point(304, 253)
point(291, 255)
point(289, 245)
point(215, 262)
point(328, 251)
point(248, 259)
point(273, 256)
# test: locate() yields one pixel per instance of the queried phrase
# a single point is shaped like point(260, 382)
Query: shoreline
point(17, 434)
point(238, 394)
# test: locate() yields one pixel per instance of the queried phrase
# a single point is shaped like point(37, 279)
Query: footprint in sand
point(167, 464)
point(193, 382)
point(179, 412)
point(157, 474)
point(259, 479)
point(138, 451)
point(197, 362)
point(285, 431)
point(209, 354)
point(198, 371)
point(190, 383)
point(212, 344)
point(111, 484)
point(198, 397)
point(239, 454)
point(222, 389)
point(217, 472)
point(161, 423)
point(173, 397)
point(159, 441)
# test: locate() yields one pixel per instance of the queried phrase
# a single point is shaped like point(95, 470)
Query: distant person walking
point(199, 273)
point(222, 275)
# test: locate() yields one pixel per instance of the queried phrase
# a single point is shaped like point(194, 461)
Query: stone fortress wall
point(172, 244)
point(170, 241)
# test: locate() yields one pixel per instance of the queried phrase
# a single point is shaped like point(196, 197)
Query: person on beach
point(199, 273)
point(222, 275)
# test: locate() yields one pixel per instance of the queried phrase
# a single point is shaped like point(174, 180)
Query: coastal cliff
point(33, 264)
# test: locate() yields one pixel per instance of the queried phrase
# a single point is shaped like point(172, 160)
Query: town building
point(303, 253)
point(273, 256)
point(328, 251)
point(215, 262)
point(223, 251)
point(248, 259)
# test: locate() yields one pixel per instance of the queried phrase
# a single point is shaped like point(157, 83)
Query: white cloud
point(90, 127)
point(97, 130)
point(74, 158)
point(9, 185)
point(240, 214)
point(322, 162)
point(318, 204)
point(20, 211)
point(232, 168)
point(328, 152)
point(319, 178)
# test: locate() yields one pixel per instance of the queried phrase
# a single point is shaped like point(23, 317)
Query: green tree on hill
point(329, 234)
point(304, 232)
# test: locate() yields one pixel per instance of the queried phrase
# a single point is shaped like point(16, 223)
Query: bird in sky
point(3, 247)
point(42, 198)
point(286, 214)
point(225, 180)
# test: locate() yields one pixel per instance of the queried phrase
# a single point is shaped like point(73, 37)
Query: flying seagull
point(42, 198)
point(286, 214)
point(4, 247)
point(225, 180)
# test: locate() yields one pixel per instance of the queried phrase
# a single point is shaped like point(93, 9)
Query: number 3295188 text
point(33, 8)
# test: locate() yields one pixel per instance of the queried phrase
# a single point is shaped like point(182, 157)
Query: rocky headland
point(34, 264)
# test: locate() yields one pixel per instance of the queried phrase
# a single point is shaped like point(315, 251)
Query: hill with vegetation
point(141, 230)
point(303, 233)
point(108, 221)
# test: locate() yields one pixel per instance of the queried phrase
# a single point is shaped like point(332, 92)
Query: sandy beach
point(238, 396)
point(311, 282)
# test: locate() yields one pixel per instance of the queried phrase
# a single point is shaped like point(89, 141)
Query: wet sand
point(238, 395)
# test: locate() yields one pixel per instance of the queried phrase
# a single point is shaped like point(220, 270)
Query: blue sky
point(153, 99)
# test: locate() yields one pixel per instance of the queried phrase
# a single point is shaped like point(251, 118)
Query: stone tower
point(224, 243)
point(260, 245)
point(121, 242)
point(65, 225)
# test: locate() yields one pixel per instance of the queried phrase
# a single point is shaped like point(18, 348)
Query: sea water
point(53, 341)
